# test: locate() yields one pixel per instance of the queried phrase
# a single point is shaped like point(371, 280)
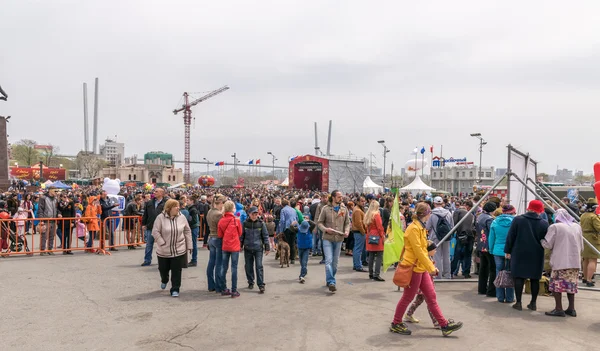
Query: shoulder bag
point(404, 272)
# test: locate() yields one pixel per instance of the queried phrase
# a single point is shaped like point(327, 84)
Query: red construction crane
point(187, 121)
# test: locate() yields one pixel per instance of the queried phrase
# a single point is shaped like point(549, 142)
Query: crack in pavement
point(170, 340)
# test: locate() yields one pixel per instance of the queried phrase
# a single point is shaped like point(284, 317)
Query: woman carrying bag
point(415, 257)
point(374, 240)
point(498, 232)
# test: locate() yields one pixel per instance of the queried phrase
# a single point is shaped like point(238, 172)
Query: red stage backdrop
point(34, 173)
point(309, 172)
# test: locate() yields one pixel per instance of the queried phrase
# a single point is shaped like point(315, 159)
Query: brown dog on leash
point(283, 250)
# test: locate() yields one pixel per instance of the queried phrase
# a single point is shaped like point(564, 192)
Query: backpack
point(442, 228)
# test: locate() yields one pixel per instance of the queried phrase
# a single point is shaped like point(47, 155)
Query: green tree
point(24, 152)
point(545, 176)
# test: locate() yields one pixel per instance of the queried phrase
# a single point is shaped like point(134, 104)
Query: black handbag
point(374, 239)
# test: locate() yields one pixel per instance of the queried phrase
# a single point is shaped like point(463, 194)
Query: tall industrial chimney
point(95, 148)
point(329, 140)
point(86, 140)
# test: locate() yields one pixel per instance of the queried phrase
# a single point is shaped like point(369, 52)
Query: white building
point(113, 152)
point(460, 179)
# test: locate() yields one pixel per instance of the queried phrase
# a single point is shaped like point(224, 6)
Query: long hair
point(421, 211)
point(372, 212)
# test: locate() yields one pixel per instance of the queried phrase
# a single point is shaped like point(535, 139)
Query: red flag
point(431, 149)
point(258, 161)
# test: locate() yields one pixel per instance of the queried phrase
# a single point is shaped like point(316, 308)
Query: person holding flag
point(392, 248)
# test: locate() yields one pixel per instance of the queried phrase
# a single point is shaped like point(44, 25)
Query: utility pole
point(371, 163)
point(234, 167)
point(274, 159)
point(481, 143)
point(207, 163)
point(385, 151)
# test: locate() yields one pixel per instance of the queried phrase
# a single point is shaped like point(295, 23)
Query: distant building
point(157, 168)
point(113, 152)
point(563, 176)
point(460, 179)
point(500, 172)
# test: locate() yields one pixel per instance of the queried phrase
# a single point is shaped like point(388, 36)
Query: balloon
point(597, 190)
point(206, 180)
point(597, 171)
point(412, 166)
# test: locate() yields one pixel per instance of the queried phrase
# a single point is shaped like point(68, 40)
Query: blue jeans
point(331, 249)
point(507, 294)
point(303, 253)
point(213, 269)
point(359, 248)
point(234, 267)
point(253, 260)
point(462, 256)
point(195, 233)
point(149, 246)
point(317, 242)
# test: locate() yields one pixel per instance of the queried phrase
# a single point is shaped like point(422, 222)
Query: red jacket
point(230, 230)
point(375, 228)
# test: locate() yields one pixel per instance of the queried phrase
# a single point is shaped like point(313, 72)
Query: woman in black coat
point(524, 249)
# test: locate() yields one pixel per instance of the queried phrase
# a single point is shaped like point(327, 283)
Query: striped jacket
point(173, 236)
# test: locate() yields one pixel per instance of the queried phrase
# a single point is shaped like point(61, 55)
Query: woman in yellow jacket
point(415, 253)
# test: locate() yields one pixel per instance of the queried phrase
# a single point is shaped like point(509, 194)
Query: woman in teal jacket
point(497, 240)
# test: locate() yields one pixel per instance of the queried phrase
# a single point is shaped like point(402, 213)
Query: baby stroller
point(17, 244)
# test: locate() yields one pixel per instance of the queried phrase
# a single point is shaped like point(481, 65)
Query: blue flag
point(423, 150)
point(251, 162)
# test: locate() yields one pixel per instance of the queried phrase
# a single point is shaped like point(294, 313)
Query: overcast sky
point(412, 73)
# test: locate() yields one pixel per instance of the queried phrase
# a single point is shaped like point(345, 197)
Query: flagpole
point(416, 156)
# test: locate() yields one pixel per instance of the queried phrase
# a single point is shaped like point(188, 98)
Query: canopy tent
point(370, 187)
point(60, 185)
point(286, 182)
point(417, 185)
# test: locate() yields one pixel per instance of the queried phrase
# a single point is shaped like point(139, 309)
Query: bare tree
point(24, 152)
point(48, 155)
point(89, 165)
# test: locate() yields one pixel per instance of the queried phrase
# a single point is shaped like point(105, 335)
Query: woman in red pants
point(415, 253)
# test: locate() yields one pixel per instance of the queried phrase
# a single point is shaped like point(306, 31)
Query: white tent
point(370, 187)
point(417, 185)
point(286, 182)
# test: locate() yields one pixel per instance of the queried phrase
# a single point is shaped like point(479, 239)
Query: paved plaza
point(92, 302)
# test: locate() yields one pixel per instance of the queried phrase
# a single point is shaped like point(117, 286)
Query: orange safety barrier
point(122, 231)
point(29, 236)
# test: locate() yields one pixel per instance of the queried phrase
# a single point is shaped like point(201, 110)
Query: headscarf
point(563, 216)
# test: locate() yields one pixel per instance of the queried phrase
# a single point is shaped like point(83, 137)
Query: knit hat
point(536, 206)
point(489, 207)
point(509, 209)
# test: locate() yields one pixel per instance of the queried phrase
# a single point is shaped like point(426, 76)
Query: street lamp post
point(481, 143)
point(274, 159)
point(234, 166)
point(385, 151)
point(207, 163)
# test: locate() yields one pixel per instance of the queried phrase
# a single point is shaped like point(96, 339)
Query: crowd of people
point(307, 223)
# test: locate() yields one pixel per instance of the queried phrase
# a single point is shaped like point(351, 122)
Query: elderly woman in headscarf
point(565, 239)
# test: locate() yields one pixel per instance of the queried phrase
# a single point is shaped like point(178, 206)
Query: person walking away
point(288, 217)
point(487, 266)
point(107, 206)
point(334, 222)
point(271, 230)
point(66, 208)
point(317, 237)
point(203, 206)
point(415, 253)
point(194, 223)
point(173, 237)
point(359, 230)
point(230, 230)
point(215, 245)
point(410, 318)
point(92, 211)
point(590, 224)
point(374, 240)
point(524, 250)
point(497, 241)
point(152, 209)
point(133, 209)
point(465, 237)
point(48, 209)
point(305, 243)
point(565, 239)
point(255, 239)
point(438, 226)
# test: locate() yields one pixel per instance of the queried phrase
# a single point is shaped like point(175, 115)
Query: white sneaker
point(410, 319)
point(302, 280)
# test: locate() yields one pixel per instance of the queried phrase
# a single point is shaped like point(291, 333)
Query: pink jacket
point(566, 243)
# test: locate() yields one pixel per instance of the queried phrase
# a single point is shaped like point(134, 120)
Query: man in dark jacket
point(107, 206)
point(152, 209)
point(465, 237)
point(487, 268)
point(203, 206)
point(254, 238)
point(194, 222)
